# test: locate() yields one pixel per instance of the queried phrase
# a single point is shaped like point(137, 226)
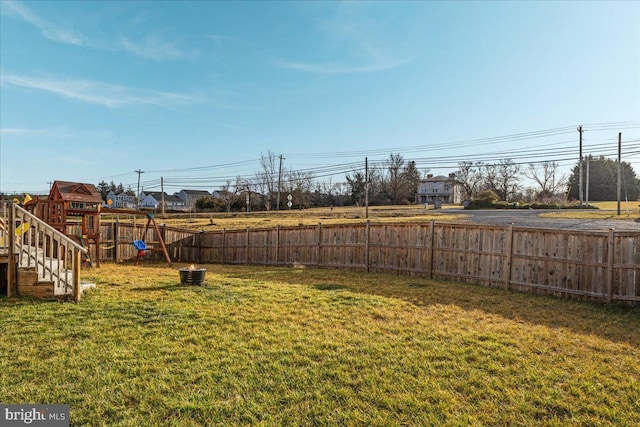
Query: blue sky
point(95, 90)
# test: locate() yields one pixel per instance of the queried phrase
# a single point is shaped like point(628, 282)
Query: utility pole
point(619, 168)
point(138, 193)
point(50, 185)
point(366, 187)
point(279, 180)
point(580, 195)
point(162, 194)
point(248, 197)
point(587, 195)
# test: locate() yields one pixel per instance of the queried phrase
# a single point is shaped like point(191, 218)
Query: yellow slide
point(22, 228)
point(19, 231)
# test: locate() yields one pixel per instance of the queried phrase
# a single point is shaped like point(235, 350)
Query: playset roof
point(74, 192)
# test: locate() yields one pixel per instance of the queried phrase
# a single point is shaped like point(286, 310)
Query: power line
point(563, 151)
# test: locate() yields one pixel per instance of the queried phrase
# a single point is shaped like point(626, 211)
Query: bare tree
point(377, 185)
point(470, 177)
point(228, 196)
point(243, 189)
point(340, 189)
point(299, 185)
point(267, 178)
point(548, 178)
point(503, 178)
point(396, 180)
point(328, 193)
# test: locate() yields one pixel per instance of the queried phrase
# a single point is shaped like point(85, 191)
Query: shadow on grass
point(614, 322)
point(171, 287)
point(330, 287)
point(21, 300)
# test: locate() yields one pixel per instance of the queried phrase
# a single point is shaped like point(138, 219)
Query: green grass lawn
point(258, 346)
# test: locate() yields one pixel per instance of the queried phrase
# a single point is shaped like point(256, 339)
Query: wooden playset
point(74, 208)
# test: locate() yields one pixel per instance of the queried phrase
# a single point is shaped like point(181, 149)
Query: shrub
point(485, 200)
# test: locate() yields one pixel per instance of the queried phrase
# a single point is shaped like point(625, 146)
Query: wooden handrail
point(43, 247)
point(64, 238)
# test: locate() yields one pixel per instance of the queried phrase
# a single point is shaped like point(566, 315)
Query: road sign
point(289, 204)
point(289, 197)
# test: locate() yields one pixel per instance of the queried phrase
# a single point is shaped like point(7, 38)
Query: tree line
point(395, 181)
point(104, 189)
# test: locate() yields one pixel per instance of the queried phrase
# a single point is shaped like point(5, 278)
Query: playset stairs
point(38, 260)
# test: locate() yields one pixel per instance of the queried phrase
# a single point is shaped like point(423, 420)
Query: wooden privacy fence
point(599, 265)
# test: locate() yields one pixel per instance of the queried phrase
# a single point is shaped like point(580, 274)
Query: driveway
point(531, 218)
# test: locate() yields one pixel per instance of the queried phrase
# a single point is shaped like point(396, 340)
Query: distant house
point(190, 197)
point(153, 200)
point(221, 194)
point(439, 189)
point(120, 200)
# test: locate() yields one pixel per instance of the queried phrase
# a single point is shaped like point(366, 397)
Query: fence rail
point(599, 265)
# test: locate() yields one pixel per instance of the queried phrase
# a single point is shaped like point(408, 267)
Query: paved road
point(531, 218)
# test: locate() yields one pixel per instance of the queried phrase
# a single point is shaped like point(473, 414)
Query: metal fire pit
point(192, 276)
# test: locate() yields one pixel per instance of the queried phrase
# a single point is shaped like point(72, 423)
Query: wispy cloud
point(218, 38)
point(55, 133)
point(154, 48)
point(150, 47)
point(72, 160)
point(332, 68)
point(20, 132)
point(351, 35)
point(48, 29)
point(98, 93)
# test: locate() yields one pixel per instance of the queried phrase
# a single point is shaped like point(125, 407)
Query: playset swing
point(74, 208)
point(142, 246)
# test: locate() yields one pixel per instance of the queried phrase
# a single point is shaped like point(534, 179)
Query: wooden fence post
point(319, 244)
point(431, 249)
point(266, 247)
point(162, 231)
point(200, 234)
point(224, 244)
point(246, 254)
point(509, 254)
point(115, 226)
point(277, 244)
point(366, 248)
point(77, 289)
point(12, 275)
point(610, 275)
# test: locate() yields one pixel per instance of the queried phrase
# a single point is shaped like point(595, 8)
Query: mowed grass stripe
point(281, 346)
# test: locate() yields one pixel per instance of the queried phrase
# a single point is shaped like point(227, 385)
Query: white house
point(190, 197)
point(153, 200)
point(120, 200)
point(439, 189)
